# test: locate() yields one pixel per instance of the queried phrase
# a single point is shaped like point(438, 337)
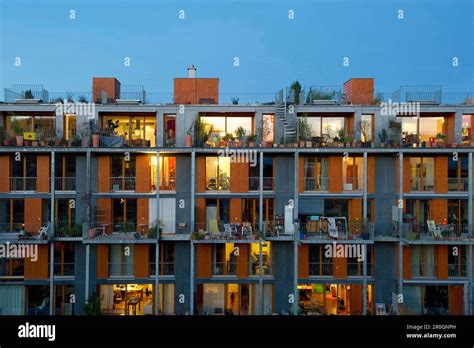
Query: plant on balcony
point(235, 101)
point(228, 139)
point(82, 99)
point(364, 128)
point(383, 137)
point(71, 231)
point(304, 132)
point(341, 134)
point(112, 126)
point(251, 140)
point(197, 235)
point(396, 129)
point(127, 227)
point(16, 128)
point(92, 306)
point(202, 132)
point(440, 140)
point(282, 142)
point(240, 135)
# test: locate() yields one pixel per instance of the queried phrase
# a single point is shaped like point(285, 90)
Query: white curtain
point(213, 297)
point(11, 300)
point(429, 257)
point(169, 299)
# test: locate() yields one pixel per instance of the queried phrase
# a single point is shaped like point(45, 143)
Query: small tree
point(365, 129)
point(29, 94)
point(296, 87)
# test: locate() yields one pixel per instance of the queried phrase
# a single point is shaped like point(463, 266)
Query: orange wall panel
point(42, 173)
point(207, 88)
point(38, 269)
point(300, 174)
point(5, 177)
point(340, 267)
point(359, 91)
point(142, 215)
point(203, 264)
point(335, 174)
point(235, 210)
point(355, 209)
point(201, 212)
point(141, 261)
point(439, 209)
point(242, 260)
point(201, 173)
point(103, 174)
point(406, 262)
point(441, 174)
point(442, 261)
point(196, 90)
point(102, 252)
point(33, 214)
point(143, 173)
point(239, 180)
point(109, 85)
point(303, 261)
point(356, 299)
point(456, 300)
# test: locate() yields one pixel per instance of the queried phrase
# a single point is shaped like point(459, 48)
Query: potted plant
point(92, 306)
point(440, 140)
point(16, 128)
point(349, 140)
point(383, 137)
point(235, 101)
point(396, 129)
point(188, 139)
point(304, 131)
point(228, 139)
point(202, 132)
point(240, 134)
point(282, 142)
point(251, 140)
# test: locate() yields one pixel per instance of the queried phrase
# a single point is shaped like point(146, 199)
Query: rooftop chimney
point(192, 72)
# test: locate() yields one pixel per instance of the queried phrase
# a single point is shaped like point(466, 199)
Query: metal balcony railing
point(458, 184)
point(322, 230)
point(166, 268)
point(23, 183)
point(356, 269)
point(64, 269)
point(320, 269)
point(224, 268)
point(457, 270)
point(122, 183)
point(254, 183)
point(221, 183)
point(320, 183)
point(420, 231)
point(214, 230)
point(121, 269)
point(254, 268)
point(65, 184)
point(422, 184)
point(424, 269)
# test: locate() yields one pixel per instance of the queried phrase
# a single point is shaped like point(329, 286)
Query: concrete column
point(295, 238)
point(88, 258)
point(159, 128)
point(470, 309)
point(51, 231)
point(260, 195)
point(400, 224)
point(259, 124)
point(193, 180)
point(380, 122)
point(260, 277)
point(458, 127)
point(364, 256)
point(191, 280)
point(157, 245)
point(357, 119)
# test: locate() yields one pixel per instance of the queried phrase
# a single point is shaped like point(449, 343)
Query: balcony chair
point(227, 230)
point(246, 229)
point(214, 228)
point(434, 231)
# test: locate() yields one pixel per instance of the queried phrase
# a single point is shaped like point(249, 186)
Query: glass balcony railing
point(228, 231)
point(121, 269)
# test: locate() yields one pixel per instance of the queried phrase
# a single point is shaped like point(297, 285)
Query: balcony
point(254, 268)
point(23, 184)
point(65, 229)
point(166, 269)
point(457, 270)
point(320, 269)
point(42, 138)
point(254, 183)
point(64, 269)
point(224, 268)
point(122, 231)
point(325, 228)
point(458, 184)
point(122, 183)
point(167, 183)
point(65, 184)
point(433, 231)
point(110, 138)
point(224, 231)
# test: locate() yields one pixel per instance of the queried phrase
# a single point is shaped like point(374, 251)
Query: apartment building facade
point(319, 201)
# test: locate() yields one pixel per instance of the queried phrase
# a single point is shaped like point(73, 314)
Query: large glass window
point(353, 173)
point(422, 174)
point(467, 129)
point(366, 128)
point(223, 125)
point(268, 128)
point(124, 215)
point(316, 172)
point(136, 130)
point(121, 259)
point(12, 215)
point(328, 127)
point(217, 173)
point(254, 174)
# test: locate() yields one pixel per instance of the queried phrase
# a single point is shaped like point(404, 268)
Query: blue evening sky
point(64, 54)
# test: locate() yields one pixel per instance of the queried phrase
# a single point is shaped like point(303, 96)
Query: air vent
point(324, 102)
